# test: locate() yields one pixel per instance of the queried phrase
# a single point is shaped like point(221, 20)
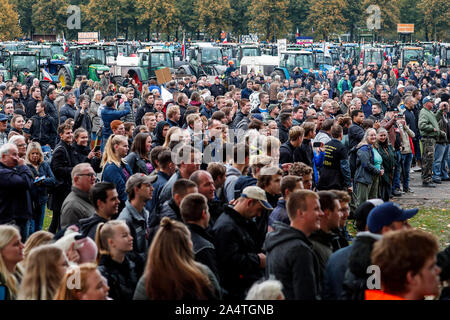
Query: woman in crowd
point(39, 238)
point(44, 178)
point(117, 262)
point(195, 99)
point(369, 168)
point(92, 285)
point(173, 134)
point(11, 253)
point(17, 124)
point(95, 116)
point(115, 170)
point(83, 150)
point(139, 157)
point(45, 268)
point(160, 133)
point(21, 144)
point(171, 272)
point(387, 154)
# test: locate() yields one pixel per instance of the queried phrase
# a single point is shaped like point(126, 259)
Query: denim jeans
point(439, 164)
point(406, 166)
point(397, 171)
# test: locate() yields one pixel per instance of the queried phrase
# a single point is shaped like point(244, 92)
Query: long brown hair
point(171, 272)
point(65, 292)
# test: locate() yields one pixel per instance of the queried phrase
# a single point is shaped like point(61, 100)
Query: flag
point(298, 35)
point(46, 76)
point(65, 44)
point(183, 47)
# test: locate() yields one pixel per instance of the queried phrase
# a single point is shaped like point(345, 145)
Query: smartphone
point(317, 144)
point(39, 179)
point(97, 148)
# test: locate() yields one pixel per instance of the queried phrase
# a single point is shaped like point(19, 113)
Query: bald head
point(205, 183)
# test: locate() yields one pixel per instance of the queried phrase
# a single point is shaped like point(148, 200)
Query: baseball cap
point(137, 179)
point(258, 116)
point(400, 86)
point(385, 214)
point(3, 117)
point(426, 99)
point(254, 192)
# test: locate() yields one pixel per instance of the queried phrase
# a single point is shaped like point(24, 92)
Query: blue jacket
point(279, 213)
point(365, 165)
point(367, 108)
point(66, 112)
point(39, 194)
point(157, 187)
point(108, 115)
point(335, 274)
point(317, 164)
point(114, 174)
point(245, 93)
point(15, 199)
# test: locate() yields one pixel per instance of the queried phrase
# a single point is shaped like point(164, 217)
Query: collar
point(81, 194)
point(135, 214)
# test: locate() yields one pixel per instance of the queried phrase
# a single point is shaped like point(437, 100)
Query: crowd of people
point(238, 189)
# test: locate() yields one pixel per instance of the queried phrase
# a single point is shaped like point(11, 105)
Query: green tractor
point(15, 63)
point(89, 61)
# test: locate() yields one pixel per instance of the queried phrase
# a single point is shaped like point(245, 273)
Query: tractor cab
point(372, 56)
point(291, 59)
point(155, 59)
point(410, 55)
point(19, 61)
point(444, 55)
point(204, 59)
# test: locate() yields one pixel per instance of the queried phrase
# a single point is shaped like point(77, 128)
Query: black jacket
point(287, 153)
point(30, 107)
point(83, 120)
point(136, 163)
point(204, 249)
point(283, 133)
point(238, 118)
point(304, 153)
point(81, 155)
point(43, 130)
point(88, 226)
point(355, 135)
point(15, 196)
point(355, 281)
point(159, 139)
point(291, 259)
point(323, 247)
point(122, 277)
point(171, 210)
point(141, 111)
point(237, 252)
point(217, 90)
point(50, 109)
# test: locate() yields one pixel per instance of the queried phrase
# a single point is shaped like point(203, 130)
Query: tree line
point(141, 19)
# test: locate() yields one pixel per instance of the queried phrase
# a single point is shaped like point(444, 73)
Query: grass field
point(432, 220)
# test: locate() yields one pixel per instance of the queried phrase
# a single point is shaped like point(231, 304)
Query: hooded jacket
point(88, 226)
point(291, 259)
point(159, 139)
point(232, 174)
point(43, 130)
point(356, 275)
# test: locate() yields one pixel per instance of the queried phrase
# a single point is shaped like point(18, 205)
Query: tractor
point(371, 56)
point(410, 55)
point(291, 59)
point(444, 54)
point(89, 61)
point(16, 62)
point(204, 59)
point(143, 67)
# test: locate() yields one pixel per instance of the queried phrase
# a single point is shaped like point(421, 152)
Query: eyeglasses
point(86, 174)
point(21, 145)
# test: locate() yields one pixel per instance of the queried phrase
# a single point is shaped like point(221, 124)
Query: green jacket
point(428, 123)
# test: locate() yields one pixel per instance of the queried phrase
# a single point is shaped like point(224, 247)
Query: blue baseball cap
point(427, 99)
point(385, 214)
point(258, 116)
point(3, 117)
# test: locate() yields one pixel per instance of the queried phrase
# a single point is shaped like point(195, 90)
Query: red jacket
point(380, 295)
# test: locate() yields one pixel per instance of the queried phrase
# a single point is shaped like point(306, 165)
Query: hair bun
point(166, 222)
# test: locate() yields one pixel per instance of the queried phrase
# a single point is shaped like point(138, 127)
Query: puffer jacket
point(365, 165)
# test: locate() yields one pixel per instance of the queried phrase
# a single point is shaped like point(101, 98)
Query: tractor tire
point(117, 80)
point(278, 73)
point(64, 77)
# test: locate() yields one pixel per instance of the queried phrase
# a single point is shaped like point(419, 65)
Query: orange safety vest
point(380, 295)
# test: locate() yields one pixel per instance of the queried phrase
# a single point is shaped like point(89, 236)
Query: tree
point(213, 16)
point(353, 12)
point(297, 14)
point(24, 9)
point(326, 17)
point(101, 16)
point(160, 14)
point(436, 17)
point(9, 21)
point(240, 16)
point(50, 16)
point(187, 16)
point(270, 18)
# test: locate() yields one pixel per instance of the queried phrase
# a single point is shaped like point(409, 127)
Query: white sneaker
point(417, 169)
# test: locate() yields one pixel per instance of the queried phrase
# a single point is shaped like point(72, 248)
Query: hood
point(359, 258)
point(159, 131)
point(283, 233)
point(232, 171)
point(99, 67)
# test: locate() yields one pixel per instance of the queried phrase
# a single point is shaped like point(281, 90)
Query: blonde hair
point(37, 239)
point(42, 278)
point(109, 154)
point(66, 293)
point(7, 234)
point(366, 136)
point(104, 232)
point(34, 146)
point(170, 133)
